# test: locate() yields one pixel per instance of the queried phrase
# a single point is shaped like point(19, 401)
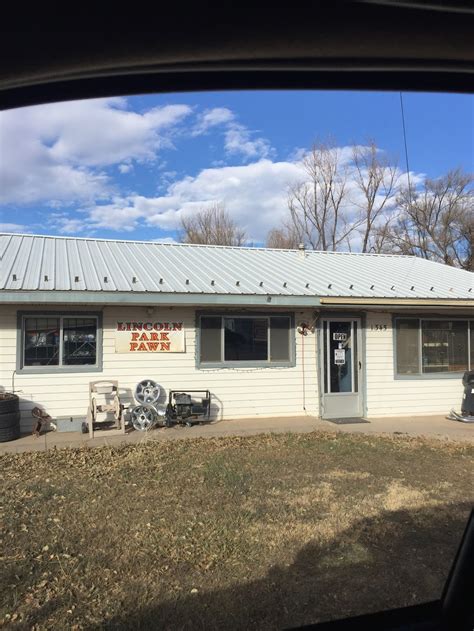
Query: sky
point(132, 167)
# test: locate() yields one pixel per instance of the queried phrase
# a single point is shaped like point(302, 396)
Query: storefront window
point(59, 341)
point(426, 346)
point(235, 338)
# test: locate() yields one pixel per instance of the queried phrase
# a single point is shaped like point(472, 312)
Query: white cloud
point(254, 195)
point(125, 168)
point(66, 225)
point(118, 215)
point(165, 240)
point(13, 227)
point(238, 140)
point(297, 154)
point(212, 117)
point(102, 132)
point(58, 151)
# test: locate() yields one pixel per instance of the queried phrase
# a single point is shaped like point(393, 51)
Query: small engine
point(182, 407)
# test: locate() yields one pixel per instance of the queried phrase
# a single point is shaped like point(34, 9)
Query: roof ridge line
point(205, 245)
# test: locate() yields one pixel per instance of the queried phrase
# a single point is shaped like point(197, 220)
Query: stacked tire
point(9, 417)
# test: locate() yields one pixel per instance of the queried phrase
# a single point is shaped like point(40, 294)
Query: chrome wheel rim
point(147, 391)
point(143, 417)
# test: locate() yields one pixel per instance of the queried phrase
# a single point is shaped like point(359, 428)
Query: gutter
point(398, 302)
point(150, 299)
point(168, 298)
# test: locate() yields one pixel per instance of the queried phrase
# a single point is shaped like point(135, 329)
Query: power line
point(406, 147)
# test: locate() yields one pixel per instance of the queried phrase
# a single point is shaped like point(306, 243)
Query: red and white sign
point(149, 337)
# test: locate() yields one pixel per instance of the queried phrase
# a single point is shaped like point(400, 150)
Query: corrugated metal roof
point(35, 263)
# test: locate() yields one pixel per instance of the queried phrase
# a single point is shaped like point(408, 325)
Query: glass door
point(341, 368)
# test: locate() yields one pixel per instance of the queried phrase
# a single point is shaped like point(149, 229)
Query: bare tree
point(339, 199)
point(212, 226)
point(285, 238)
point(376, 179)
point(466, 229)
point(436, 222)
point(317, 206)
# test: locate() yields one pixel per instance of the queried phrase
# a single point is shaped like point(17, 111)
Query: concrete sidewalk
point(428, 426)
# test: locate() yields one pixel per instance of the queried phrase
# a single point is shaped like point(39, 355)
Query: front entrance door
point(341, 368)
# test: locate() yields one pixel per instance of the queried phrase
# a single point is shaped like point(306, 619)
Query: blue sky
point(133, 167)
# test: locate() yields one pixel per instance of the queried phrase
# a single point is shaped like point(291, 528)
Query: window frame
point(66, 368)
point(259, 363)
point(430, 375)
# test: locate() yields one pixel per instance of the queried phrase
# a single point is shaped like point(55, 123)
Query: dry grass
point(260, 532)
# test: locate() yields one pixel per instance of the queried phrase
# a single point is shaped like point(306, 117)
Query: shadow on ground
point(392, 560)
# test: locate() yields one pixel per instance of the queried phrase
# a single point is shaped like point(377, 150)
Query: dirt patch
point(245, 532)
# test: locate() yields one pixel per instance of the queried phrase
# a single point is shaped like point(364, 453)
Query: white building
point(268, 332)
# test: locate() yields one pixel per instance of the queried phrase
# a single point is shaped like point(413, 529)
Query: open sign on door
point(339, 337)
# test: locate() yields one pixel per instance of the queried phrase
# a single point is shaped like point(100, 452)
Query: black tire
point(9, 433)
point(9, 420)
point(9, 403)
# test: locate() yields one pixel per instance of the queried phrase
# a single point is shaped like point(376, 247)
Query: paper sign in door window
point(339, 356)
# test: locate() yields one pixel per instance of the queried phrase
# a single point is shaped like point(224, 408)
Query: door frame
point(361, 353)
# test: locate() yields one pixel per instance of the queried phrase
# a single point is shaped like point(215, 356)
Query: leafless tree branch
point(212, 226)
point(376, 178)
point(436, 222)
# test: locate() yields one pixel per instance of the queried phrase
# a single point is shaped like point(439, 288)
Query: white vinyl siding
point(238, 392)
